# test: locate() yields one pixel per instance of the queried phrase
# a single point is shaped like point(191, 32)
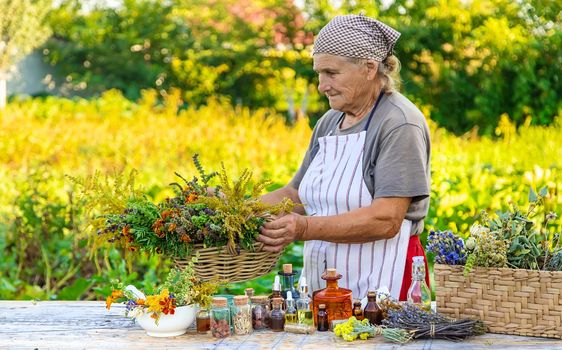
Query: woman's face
point(346, 84)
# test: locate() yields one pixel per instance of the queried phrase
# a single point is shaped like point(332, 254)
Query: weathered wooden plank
point(88, 325)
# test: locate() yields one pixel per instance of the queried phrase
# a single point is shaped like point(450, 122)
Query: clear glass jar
point(419, 293)
point(220, 318)
point(203, 320)
point(241, 315)
point(260, 312)
point(304, 305)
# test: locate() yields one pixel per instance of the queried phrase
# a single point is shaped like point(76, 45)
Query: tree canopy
point(465, 63)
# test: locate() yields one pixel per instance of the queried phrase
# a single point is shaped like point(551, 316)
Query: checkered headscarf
point(356, 36)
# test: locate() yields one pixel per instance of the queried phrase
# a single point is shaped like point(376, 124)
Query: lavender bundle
point(423, 324)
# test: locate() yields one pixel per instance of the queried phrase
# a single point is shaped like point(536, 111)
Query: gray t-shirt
point(396, 159)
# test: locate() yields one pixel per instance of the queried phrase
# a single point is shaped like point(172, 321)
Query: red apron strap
point(414, 249)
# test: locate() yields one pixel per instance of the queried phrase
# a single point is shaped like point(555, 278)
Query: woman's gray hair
point(388, 72)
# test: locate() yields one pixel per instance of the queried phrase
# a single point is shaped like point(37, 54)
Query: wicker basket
point(509, 301)
point(216, 262)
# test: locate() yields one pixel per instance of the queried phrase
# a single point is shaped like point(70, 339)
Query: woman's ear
point(372, 69)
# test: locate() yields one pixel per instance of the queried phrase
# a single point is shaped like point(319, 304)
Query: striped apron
point(332, 185)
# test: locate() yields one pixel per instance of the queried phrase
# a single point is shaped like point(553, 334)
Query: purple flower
point(447, 247)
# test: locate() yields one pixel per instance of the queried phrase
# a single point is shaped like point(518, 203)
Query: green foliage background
point(467, 62)
point(233, 81)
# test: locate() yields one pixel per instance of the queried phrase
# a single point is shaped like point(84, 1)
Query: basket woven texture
point(216, 262)
point(509, 301)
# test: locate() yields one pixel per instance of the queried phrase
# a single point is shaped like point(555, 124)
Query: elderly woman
point(365, 179)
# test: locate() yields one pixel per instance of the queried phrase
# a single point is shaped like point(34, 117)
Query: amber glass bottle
point(322, 318)
point(357, 311)
point(337, 300)
point(277, 315)
point(372, 310)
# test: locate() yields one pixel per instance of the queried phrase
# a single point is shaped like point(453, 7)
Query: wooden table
point(88, 325)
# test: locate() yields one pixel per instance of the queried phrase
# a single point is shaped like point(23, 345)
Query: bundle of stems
point(424, 324)
point(353, 329)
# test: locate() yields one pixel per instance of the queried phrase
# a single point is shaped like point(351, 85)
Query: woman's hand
point(277, 234)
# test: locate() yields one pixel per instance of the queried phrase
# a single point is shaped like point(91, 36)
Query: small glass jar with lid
point(220, 318)
point(241, 315)
point(203, 320)
point(260, 312)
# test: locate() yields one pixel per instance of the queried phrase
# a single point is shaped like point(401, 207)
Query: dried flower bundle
point(423, 324)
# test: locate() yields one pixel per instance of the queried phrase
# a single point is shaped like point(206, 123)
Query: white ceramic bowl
point(169, 325)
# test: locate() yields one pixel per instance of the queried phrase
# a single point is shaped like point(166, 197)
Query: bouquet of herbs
point(121, 215)
point(353, 329)
point(180, 288)
point(514, 238)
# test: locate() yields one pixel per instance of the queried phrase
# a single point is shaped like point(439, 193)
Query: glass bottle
point(277, 315)
point(275, 292)
point(357, 311)
point(260, 312)
point(288, 281)
point(419, 293)
point(291, 310)
point(322, 318)
point(242, 315)
point(220, 318)
point(338, 301)
point(304, 305)
point(372, 311)
point(203, 320)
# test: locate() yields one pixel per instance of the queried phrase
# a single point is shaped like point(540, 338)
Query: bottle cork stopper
point(277, 301)
point(249, 292)
point(322, 306)
point(287, 268)
point(219, 301)
point(258, 299)
point(240, 300)
point(371, 294)
point(331, 273)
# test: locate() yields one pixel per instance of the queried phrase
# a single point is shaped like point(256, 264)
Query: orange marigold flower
point(191, 197)
point(126, 230)
point(185, 238)
point(168, 305)
point(171, 227)
point(115, 294)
